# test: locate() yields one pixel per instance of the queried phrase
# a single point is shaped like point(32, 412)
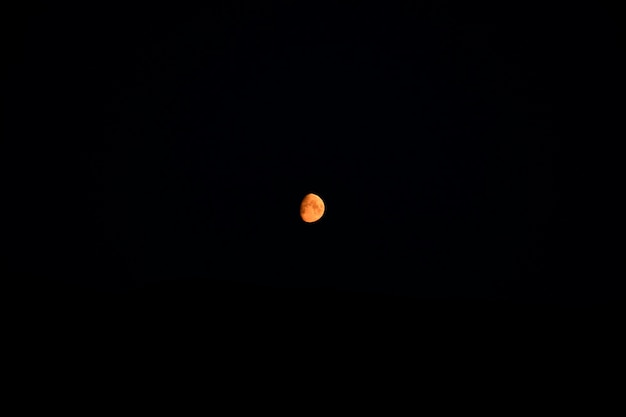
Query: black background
point(157, 158)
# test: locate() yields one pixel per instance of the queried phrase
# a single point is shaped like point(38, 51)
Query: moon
point(312, 208)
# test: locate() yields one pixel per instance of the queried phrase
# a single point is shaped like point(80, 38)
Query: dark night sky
point(162, 154)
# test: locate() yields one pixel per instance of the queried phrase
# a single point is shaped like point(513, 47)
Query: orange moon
point(312, 208)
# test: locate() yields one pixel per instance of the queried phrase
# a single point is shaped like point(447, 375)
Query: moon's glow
point(312, 208)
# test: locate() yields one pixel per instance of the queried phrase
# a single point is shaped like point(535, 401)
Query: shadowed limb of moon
point(312, 208)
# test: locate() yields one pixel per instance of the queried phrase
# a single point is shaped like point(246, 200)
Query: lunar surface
point(312, 208)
